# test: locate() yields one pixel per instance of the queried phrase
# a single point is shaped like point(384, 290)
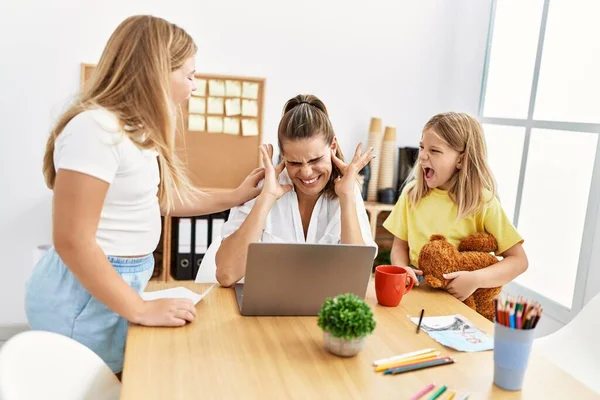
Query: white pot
point(343, 347)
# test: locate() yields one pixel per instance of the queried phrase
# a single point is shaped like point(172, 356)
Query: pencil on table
point(420, 320)
point(423, 391)
point(408, 361)
point(402, 357)
point(420, 365)
point(438, 392)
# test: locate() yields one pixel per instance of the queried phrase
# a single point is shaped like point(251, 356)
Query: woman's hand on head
point(346, 183)
point(248, 188)
point(272, 187)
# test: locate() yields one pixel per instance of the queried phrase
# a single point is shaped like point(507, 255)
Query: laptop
point(295, 279)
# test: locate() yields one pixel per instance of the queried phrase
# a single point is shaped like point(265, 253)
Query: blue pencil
point(512, 316)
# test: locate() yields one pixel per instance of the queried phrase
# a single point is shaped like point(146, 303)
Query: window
point(541, 113)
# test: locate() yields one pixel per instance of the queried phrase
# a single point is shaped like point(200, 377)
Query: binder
point(191, 238)
point(181, 248)
point(201, 241)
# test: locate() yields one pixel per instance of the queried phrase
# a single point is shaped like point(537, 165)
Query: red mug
point(390, 284)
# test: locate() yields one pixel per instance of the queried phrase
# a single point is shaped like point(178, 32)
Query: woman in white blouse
point(310, 197)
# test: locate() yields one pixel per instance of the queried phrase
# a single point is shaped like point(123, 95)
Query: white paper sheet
point(231, 126)
point(196, 123)
point(216, 88)
point(215, 124)
point(197, 105)
point(250, 90)
point(249, 108)
point(456, 331)
point(215, 105)
point(200, 88)
point(233, 88)
point(232, 107)
point(249, 127)
point(178, 292)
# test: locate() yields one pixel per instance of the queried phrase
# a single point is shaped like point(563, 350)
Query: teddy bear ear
point(437, 237)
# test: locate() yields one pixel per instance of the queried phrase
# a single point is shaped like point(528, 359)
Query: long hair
point(131, 80)
point(467, 186)
point(304, 117)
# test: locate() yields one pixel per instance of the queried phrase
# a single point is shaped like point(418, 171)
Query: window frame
point(552, 308)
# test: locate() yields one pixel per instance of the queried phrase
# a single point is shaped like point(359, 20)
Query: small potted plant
point(346, 321)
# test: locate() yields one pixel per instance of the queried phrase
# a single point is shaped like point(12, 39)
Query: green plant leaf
point(346, 316)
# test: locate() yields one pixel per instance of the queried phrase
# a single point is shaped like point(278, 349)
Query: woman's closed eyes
point(298, 163)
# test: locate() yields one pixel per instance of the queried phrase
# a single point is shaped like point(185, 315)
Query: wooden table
point(225, 355)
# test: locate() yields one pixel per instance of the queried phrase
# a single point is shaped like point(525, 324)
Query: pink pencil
point(423, 391)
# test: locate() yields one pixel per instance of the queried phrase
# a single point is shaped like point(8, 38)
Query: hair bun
point(308, 99)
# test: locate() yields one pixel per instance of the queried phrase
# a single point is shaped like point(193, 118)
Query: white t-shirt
point(94, 144)
point(284, 225)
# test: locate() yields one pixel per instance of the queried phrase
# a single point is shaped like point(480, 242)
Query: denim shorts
point(55, 301)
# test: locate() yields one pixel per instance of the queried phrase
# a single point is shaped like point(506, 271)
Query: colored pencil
point(423, 365)
point(537, 318)
point(518, 319)
point(517, 312)
point(525, 307)
point(438, 392)
point(423, 391)
point(385, 367)
point(394, 364)
point(512, 315)
point(408, 363)
point(420, 320)
point(496, 308)
point(402, 356)
point(451, 396)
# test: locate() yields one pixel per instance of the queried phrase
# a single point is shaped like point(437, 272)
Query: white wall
point(400, 60)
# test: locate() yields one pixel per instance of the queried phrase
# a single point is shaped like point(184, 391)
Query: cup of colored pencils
point(517, 312)
point(516, 319)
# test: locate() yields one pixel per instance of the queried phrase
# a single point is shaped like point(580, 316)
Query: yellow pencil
point(402, 357)
point(452, 394)
point(421, 357)
point(411, 358)
point(407, 362)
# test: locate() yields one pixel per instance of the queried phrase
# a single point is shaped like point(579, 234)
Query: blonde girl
point(452, 192)
point(111, 164)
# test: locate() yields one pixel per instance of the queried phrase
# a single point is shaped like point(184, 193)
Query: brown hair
point(464, 134)
point(305, 116)
point(131, 80)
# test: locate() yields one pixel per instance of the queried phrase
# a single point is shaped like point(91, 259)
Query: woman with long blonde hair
point(111, 164)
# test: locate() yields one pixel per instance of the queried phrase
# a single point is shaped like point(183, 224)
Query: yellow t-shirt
point(436, 214)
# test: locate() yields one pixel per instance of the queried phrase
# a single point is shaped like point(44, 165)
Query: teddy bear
point(440, 257)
